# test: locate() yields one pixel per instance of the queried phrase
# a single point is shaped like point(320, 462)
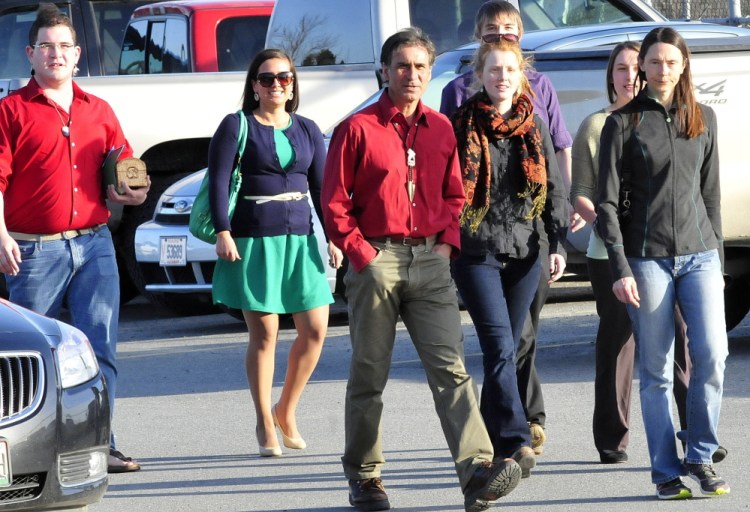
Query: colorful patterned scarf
point(475, 124)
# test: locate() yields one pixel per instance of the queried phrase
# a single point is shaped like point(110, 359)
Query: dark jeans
point(615, 356)
point(497, 292)
point(529, 386)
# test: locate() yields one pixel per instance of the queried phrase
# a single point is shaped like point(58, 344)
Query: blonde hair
point(504, 45)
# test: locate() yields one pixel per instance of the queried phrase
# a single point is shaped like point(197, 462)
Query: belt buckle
point(407, 240)
point(69, 235)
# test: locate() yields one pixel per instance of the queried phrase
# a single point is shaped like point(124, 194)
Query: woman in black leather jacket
point(659, 216)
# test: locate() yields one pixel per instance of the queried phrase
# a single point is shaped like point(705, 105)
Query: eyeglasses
point(47, 47)
point(494, 38)
point(266, 79)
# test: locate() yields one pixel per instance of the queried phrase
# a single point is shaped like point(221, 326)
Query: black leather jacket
point(676, 199)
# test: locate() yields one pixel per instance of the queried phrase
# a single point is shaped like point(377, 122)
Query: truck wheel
point(736, 301)
point(182, 304)
point(234, 313)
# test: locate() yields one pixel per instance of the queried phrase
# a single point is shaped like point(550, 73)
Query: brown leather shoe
point(526, 459)
point(368, 494)
point(491, 481)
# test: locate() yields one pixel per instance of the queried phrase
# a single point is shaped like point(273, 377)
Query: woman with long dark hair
point(269, 262)
point(659, 216)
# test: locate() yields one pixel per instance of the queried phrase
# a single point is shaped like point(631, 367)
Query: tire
point(736, 301)
point(181, 304)
point(234, 313)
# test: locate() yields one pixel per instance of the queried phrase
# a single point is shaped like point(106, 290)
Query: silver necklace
point(65, 127)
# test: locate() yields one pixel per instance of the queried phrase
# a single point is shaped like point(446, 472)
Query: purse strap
point(241, 135)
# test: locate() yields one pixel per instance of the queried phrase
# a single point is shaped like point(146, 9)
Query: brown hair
point(689, 118)
point(494, 9)
point(504, 45)
point(617, 50)
point(249, 103)
point(47, 16)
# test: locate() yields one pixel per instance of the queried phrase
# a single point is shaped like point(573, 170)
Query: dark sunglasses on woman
point(284, 78)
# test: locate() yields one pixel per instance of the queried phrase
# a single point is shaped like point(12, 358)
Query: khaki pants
point(413, 282)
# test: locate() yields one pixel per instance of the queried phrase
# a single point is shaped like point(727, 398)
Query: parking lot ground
point(185, 413)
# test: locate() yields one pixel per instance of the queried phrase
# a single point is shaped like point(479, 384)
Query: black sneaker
point(719, 455)
point(368, 494)
point(491, 481)
point(613, 456)
point(704, 474)
point(673, 490)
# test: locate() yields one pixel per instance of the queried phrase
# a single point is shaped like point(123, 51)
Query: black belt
point(399, 240)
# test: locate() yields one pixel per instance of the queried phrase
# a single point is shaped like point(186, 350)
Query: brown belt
point(399, 240)
point(65, 235)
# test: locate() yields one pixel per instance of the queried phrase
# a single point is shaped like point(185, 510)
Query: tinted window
point(175, 57)
point(238, 40)
point(133, 56)
point(577, 12)
point(449, 23)
point(111, 19)
point(14, 37)
point(335, 32)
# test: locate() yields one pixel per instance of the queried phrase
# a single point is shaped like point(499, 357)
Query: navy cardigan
point(262, 175)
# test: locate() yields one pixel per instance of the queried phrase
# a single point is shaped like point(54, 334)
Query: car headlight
point(75, 357)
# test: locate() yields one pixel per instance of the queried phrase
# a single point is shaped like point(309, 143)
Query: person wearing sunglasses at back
point(269, 262)
point(497, 20)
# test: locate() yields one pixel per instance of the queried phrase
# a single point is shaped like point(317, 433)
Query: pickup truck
point(194, 36)
point(166, 127)
point(578, 75)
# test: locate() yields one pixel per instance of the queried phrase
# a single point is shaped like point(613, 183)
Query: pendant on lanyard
point(411, 162)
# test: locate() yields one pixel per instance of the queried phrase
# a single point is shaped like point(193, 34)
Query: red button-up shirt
point(365, 192)
point(52, 183)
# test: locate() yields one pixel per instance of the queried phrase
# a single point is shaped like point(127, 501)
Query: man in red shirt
point(393, 193)
point(55, 247)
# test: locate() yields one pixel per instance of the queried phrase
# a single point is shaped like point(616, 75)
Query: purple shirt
point(545, 102)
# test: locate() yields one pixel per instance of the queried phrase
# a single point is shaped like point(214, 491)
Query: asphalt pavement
point(184, 411)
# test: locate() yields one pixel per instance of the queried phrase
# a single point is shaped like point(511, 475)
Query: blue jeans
point(497, 293)
point(80, 273)
point(695, 282)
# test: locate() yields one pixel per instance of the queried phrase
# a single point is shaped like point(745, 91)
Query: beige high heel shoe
point(295, 443)
point(274, 451)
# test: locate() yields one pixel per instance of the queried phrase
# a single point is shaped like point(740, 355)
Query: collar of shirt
point(388, 113)
point(33, 91)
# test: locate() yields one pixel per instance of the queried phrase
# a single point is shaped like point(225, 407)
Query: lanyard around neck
point(411, 157)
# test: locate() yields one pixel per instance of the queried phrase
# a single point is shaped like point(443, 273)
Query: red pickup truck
point(188, 36)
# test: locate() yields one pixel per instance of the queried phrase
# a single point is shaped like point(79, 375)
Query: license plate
point(6, 476)
point(173, 251)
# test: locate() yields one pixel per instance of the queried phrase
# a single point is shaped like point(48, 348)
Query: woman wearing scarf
point(513, 189)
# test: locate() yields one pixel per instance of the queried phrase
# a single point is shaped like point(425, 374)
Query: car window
point(14, 36)
point(335, 32)
point(153, 47)
point(449, 23)
point(580, 12)
point(111, 19)
point(238, 40)
point(175, 58)
point(133, 56)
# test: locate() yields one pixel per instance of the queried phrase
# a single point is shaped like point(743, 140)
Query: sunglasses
point(284, 78)
point(494, 38)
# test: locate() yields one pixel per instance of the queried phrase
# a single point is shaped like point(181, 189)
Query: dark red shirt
point(365, 191)
point(52, 183)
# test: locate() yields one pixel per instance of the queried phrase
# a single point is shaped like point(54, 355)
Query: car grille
point(179, 275)
point(21, 385)
point(23, 488)
point(173, 219)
